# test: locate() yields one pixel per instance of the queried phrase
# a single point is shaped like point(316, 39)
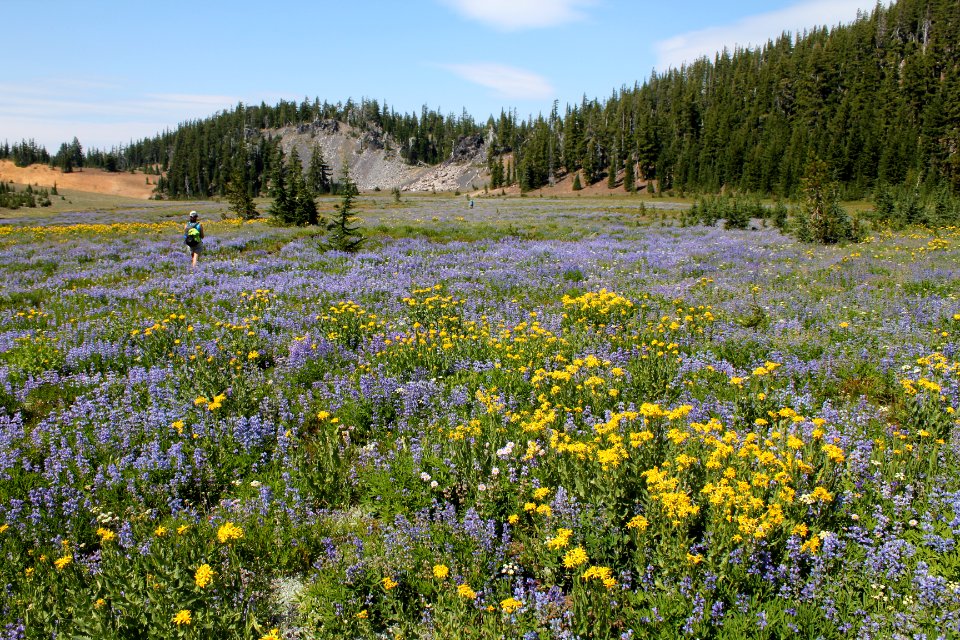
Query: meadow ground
point(537, 418)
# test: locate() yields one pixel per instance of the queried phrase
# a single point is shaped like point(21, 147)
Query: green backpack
point(192, 237)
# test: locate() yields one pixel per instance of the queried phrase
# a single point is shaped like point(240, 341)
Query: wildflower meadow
point(530, 419)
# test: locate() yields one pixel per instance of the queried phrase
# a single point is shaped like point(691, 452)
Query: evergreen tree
point(76, 153)
point(629, 180)
point(238, 194)
point(576, 182)
point(497, 173)
point(612, 171)
point(345, 234)
point(822, 219)
point(282, 206)
point(64, 159)
point(318, 174)
point(590, 163)
point(302, 200)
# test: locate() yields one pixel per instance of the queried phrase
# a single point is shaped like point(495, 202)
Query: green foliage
point(735, 211)
point(318, 174)
point(902, 206)
point(238, 195)
point(24, 153)
point(29, 197)
point(629, 178)
point(821, 218)
point(294, 200)
point(344, 229)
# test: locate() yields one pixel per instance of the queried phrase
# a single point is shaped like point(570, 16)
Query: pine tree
point(822, 219)
point(344, 229)
point(590, 163)
point(302, 199)
point(629, 180)
point(76, 153)
point(238, 194)
point(281, 208)
point(612, 171)
point(318, 174)
point(576, 182)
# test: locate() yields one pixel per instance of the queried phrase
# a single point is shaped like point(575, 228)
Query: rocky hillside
point(375, 163)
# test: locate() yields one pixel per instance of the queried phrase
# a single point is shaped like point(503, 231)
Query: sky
point(110, 72)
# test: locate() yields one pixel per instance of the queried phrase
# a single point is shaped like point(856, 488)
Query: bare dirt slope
point(130, 185)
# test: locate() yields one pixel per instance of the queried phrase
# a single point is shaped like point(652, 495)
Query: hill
point(130, 185)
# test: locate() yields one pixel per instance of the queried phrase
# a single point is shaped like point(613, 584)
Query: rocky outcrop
point(374, 162)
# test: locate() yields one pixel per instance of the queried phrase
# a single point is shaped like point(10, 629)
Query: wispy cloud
point(506, 82)
point(513, 15)
point(755, 30)
point(100, 113)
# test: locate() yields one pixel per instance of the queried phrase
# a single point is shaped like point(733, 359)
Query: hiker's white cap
point(193, 213)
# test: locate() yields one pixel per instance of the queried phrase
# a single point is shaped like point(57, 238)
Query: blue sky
point(110, 71)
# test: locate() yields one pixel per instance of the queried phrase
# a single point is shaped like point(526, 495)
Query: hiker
point(193, 238)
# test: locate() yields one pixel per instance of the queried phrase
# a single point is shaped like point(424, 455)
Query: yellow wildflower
point(274, 634)
point(229, 531)
point(511, 604)
point(362, 615)
point(160, 531)
point(575, 557)
point(833, 452)
point(441, 571)
point(203, 576)
point(821, 495)
point(561, 540)
point(389, 583)
point(183, 617)
point(639, 523)
point(60, 563)
point(812, 545)
point(106, 535)
point(465, 592)
point(541, 493)
point(603, 574)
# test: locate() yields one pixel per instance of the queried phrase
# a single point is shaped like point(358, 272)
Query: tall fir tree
point(238, 194)
point(282, 206)
point(318, 173)
point(629, 179)
point(345, 234)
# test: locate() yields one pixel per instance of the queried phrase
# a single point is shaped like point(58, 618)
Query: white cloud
point(512, 15)
point(754, 31)
point(507, 82)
